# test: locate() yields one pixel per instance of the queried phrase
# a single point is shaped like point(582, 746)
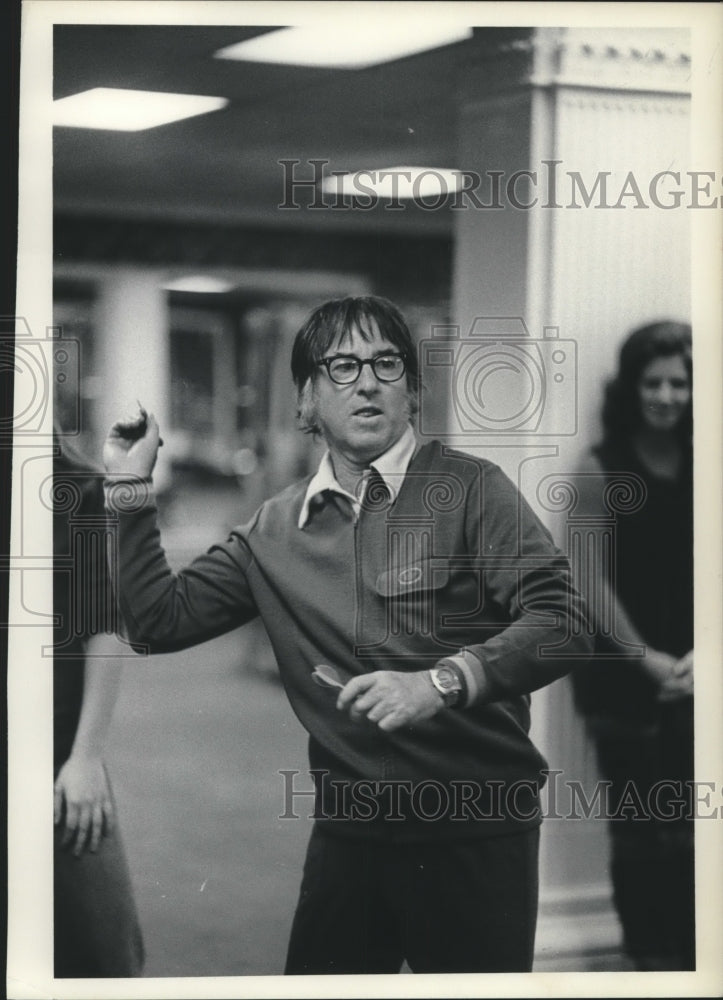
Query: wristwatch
point(447, 682)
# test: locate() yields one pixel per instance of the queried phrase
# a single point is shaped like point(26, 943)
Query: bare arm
point(83, 802)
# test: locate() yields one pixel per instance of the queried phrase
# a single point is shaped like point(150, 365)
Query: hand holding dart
point(135, 428)
point(132, 445)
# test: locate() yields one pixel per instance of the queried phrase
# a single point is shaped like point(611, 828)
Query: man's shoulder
point(451, 479)
point(436, 456)
point(280, 510)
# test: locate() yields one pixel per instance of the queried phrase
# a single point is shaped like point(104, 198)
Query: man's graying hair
point(333, 321)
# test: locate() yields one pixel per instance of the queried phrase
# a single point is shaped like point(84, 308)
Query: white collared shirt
point(391, 466)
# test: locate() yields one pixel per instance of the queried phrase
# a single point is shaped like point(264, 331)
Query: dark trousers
point(465, 906)
point(653, 859)
point(97, 933)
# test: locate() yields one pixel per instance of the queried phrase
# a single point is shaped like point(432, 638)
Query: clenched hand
point(132, 446)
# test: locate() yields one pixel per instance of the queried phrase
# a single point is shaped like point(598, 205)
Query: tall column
point(132, 326)
point(566, 243)
point(576, 142)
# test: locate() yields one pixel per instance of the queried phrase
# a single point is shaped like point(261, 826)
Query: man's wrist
point(449, 682)
point(127, 492)
point(471, 672)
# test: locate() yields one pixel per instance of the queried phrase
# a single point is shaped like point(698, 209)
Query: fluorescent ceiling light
point(199, 283)
point(129, 110)
point(344, 46)
point(395, 182)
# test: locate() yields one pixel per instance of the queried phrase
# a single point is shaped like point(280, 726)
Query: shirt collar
point(391, 466)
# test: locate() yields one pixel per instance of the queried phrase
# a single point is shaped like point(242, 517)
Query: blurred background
point(186, 255)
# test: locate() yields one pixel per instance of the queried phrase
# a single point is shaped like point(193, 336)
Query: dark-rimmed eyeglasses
point(346, 368)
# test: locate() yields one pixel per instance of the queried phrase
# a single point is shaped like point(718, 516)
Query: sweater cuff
point(472, 673)
point(128, 494)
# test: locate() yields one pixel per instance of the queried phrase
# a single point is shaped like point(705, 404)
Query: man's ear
point(306, 407)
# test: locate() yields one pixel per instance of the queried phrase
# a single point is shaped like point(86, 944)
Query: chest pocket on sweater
point(414, 578)
point(412, 589)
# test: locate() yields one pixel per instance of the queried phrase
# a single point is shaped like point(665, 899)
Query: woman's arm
point(680, 685)
point(83, 804)
point(604, 602)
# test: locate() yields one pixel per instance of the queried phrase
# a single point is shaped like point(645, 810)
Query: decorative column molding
point(629, 59)
point(608, 58)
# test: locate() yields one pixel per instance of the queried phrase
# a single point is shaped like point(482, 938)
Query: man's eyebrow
point(377, 354)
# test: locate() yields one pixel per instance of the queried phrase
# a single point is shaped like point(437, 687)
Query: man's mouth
point(367, 411)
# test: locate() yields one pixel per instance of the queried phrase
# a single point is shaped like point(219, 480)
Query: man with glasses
point(413, 601)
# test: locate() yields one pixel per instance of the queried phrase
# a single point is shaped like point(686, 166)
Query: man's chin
point(370, 444)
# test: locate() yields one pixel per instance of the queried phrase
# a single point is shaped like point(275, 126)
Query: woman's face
point(664, 391)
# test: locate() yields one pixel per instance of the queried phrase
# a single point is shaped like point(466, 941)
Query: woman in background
point(640, 711)
point(97, 933)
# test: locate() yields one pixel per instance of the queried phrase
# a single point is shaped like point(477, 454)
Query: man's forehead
point(353, 341)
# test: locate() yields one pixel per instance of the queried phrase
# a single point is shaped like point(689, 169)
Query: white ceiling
point(225, 165)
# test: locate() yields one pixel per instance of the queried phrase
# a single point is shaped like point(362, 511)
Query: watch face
point(446, 678)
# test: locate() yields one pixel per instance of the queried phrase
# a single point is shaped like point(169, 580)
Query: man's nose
point(367, 381)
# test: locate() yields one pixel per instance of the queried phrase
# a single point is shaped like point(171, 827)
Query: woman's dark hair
point(621, 409)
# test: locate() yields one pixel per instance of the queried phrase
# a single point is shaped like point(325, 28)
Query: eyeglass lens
point(386, 367)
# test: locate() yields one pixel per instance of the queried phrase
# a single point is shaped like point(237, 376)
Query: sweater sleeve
point(163, 611)
point(528, 585)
